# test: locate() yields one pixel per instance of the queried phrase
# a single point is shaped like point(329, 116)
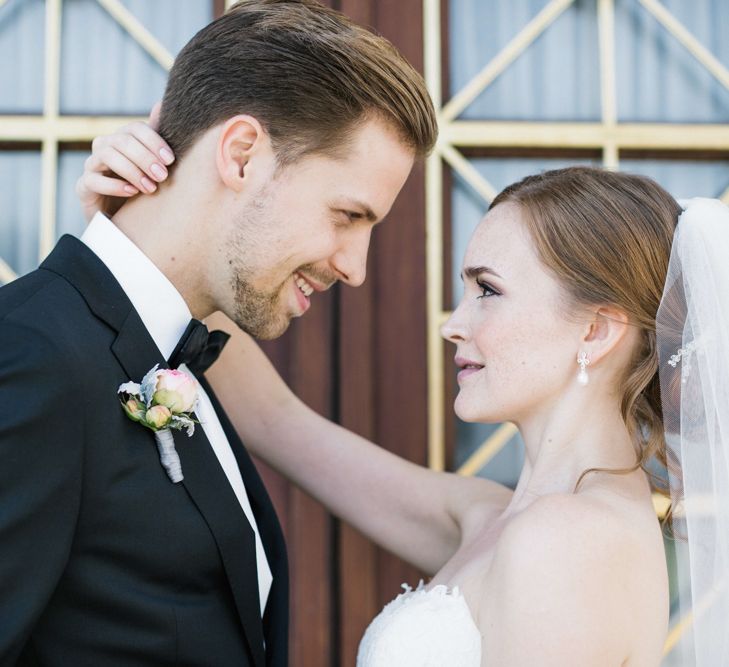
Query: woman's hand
point(132, 160)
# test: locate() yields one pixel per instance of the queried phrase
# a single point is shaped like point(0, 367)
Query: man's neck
point(162, 227)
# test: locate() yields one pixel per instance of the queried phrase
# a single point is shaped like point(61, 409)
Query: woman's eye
point(486, 290)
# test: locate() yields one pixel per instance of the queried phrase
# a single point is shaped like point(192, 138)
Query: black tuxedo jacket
point(103, 560)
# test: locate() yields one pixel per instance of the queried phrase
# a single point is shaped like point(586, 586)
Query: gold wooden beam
point(468, 172)
point(432, 56)
point(504, 58)
point(696, 48)
point(434, 246)
point(698, 609)
point(49, 178)
point(49, 146)
point(488, 449)
point(676, 632)
point(587, 135)
point(725, 196)
point(608, 95)
point(434, 276)
point(6, 273)
point(138, 31)
point(661, 505)
point(63, 128)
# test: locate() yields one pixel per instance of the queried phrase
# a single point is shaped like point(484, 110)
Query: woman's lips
point(468, 371)
point(468, 368)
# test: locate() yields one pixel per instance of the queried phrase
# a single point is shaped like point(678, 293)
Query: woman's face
point(516, 346)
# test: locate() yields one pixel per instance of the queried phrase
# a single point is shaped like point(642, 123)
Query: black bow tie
point(198, 348)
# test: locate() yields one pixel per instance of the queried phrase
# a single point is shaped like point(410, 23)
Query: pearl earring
point(584, 361)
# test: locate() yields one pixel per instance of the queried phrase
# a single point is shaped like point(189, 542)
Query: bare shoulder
point(578, 543)
point(575, 523)
point(569, 569)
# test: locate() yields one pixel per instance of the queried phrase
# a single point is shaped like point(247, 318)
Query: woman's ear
point(605, 330)
point(242, 140)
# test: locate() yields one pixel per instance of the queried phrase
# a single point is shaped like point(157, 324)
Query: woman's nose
point(452, 330)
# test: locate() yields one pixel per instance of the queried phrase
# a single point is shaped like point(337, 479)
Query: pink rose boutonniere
point(164, 400)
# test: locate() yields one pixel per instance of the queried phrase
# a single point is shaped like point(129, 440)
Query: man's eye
point(486, 290)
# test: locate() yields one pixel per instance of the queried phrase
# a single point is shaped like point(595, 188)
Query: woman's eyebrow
point(475, 271)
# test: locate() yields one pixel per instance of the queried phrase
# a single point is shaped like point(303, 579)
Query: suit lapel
point(209, 489)
point(205, 480)
point(276, 613)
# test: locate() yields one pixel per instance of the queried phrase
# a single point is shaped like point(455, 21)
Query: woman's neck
point(581, 432)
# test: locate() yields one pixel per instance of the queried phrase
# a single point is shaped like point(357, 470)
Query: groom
point(294, 131)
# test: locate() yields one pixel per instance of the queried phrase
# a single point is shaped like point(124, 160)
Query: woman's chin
point(476, 414)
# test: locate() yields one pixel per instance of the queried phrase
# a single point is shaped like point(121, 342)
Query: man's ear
point(241, 139)
point(604, 332)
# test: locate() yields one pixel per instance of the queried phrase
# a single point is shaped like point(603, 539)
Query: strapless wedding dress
point(422, 628)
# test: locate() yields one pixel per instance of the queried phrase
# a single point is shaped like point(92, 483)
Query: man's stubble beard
point(258, 313)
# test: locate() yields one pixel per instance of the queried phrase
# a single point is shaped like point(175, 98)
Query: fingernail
point(166, 155)
point(148, 185)
point(158, 172)
point(130, 190)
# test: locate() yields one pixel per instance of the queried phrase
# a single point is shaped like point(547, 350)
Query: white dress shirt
point(165, 315)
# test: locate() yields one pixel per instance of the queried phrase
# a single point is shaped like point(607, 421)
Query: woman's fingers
point(105, 185)
point(153, 142)
point(97, 192)
point(122, 159)
point(137, 144)
point(130, 161)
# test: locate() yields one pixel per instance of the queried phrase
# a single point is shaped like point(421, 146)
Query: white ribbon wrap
point(168, 455)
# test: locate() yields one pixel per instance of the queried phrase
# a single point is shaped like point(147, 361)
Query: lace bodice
point(422, 628)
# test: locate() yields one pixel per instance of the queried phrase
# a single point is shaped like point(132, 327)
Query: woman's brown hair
point(607, 238)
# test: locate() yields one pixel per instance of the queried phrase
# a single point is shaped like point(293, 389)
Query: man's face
point(308, 227)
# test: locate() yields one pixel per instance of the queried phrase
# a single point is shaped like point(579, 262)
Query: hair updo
point(607, 237)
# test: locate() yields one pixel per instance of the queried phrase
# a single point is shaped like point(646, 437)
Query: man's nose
point(350, 261)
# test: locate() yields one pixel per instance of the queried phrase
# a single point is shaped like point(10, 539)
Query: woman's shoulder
point(555, 516)
point(572, 532)
point(565, 568)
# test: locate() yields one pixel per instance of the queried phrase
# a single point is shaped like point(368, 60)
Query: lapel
point(205, 481)
point(276, 617)
point(209, 489)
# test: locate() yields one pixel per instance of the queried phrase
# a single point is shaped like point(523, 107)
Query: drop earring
point(584, 361)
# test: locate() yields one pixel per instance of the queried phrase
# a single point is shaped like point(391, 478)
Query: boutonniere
point(164, 400)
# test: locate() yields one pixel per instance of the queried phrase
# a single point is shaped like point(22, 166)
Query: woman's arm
point(410, 510)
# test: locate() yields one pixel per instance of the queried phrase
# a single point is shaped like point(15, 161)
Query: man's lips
point(315, 285)
point(302, 297)
point(304, 285)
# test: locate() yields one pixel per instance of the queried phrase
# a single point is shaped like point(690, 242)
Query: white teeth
point(306, 289)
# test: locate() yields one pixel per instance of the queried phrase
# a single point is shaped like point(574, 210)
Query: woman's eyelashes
point(486, 290)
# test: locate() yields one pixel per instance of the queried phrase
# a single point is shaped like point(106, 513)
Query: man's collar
point(160, 306)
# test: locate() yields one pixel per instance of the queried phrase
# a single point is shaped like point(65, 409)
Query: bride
point(556, 332)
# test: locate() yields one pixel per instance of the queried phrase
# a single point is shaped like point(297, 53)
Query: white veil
point(692, 328)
